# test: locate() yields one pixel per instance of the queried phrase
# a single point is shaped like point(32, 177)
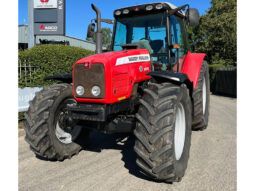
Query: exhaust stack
point(99, 31)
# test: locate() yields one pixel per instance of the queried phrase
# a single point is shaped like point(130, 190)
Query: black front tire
point(40, 124)
point(155, 132)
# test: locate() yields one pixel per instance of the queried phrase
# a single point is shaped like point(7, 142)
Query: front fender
point(174, 77)
point(66, 78)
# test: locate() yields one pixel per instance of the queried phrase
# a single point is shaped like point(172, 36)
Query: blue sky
point(79, 12)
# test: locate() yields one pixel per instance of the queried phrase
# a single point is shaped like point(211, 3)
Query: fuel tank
point(115, 73)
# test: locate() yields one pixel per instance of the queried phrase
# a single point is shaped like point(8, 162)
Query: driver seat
point(156, 45)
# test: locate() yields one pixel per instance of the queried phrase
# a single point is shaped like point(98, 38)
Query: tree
point(216, 33)
point(107, 36)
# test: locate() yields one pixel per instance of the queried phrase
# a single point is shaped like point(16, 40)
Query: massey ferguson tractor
point(149, 84)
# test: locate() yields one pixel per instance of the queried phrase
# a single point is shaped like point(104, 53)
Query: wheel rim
point(204, 95)
point(180, 129)
point(65, 133)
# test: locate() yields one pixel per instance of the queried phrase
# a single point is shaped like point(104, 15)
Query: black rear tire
point(155, 132)
point(201, 115)
point(40, 124)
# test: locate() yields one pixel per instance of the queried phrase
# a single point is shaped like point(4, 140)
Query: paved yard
point(109, 162)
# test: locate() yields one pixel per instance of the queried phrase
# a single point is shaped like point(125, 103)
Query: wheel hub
point(64, 123)
point(204, 95)
point(65, 129)
point(180, 129)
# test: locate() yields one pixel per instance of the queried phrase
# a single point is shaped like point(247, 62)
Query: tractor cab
point(158, 27)
point(151, 27)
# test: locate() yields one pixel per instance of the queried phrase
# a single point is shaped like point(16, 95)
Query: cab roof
point(167, 4)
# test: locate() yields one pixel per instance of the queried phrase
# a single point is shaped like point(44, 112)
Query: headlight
point(149, 8)
point(125, 11)
point(159, 6)
point(96, 90)
point(80, 90)
point(117, 12)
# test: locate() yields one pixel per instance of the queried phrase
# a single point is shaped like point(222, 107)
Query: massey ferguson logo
point(48, 28)
point(44, 1)
point(133, 59)
point(138, 58)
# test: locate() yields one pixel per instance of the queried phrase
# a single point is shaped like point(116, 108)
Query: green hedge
point(47, 60)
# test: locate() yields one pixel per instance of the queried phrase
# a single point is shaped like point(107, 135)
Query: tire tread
point(37, 117)
point(151, 131)
point(199, 119)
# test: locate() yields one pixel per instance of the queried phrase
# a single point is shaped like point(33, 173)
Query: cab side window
point(120, 39)
point(178, 34)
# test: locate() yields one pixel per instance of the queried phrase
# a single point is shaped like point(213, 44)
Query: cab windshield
point(147, 31)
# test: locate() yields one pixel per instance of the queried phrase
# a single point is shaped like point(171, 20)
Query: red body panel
point(119, 78)
point(192, 65)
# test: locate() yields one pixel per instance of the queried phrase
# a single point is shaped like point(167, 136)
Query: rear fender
point(192, 66)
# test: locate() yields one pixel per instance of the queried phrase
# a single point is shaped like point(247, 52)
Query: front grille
point(95, 76)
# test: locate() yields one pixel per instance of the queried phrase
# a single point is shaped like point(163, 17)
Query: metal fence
point(225, 81)
point(26, 71)
point(27, 74)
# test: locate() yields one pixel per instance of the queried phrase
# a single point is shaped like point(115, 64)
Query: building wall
point(23, 38)
point(23, 34)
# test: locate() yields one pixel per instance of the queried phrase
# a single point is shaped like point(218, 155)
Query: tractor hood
point(115, 73)
point(116, 58)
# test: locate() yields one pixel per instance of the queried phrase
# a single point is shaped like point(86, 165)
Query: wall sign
point(46, 15)
point(49, 17)
point(45, 4)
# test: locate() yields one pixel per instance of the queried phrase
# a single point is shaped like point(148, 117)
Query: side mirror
point(193, 17)
point(91, 30)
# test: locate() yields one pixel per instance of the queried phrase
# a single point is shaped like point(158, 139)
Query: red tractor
point(149, 84)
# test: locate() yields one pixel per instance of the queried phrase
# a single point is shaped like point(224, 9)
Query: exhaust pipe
point(99, 31)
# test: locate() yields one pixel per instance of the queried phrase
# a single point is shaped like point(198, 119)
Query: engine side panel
point(192, 66)
point(125, 76)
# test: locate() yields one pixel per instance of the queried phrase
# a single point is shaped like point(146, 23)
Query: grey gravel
point(109, 162)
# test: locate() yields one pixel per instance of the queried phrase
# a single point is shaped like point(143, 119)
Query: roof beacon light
point(159, 6)
point(149, 8)
point(117, 12)
point(125, 11)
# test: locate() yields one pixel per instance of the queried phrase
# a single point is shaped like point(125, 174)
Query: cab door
point(178, 38)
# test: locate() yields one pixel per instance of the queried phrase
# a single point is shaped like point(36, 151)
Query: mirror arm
point(173, 11)
point(108, 21)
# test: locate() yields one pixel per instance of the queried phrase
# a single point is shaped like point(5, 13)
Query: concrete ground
point(109, 162)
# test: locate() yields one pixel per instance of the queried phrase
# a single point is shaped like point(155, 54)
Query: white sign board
point(45, 4)
point(26, 95)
